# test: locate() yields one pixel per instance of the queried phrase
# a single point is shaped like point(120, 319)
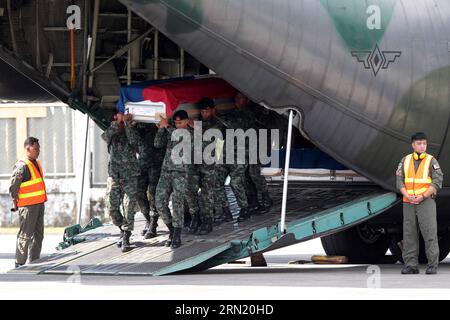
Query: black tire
point(358, 249)
point(444, 248)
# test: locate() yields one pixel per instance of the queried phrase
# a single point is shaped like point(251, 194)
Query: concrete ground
point(280, 280)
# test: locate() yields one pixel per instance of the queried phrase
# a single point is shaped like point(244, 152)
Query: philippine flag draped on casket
point(134, 92)
point(163, 98)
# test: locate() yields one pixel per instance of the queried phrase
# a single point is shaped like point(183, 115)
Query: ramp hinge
point(369, 209)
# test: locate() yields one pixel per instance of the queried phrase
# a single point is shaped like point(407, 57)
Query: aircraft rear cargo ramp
point(314, 210)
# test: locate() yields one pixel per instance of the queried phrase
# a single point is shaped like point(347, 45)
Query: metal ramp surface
point(313, 210)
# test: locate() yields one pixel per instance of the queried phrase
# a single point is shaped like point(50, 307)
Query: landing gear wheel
point(360, 244)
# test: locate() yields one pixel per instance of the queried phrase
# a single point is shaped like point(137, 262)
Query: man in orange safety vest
point(28, 192)
point(419, 177)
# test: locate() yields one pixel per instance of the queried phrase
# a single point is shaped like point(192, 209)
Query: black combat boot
point(195, 223)
point(119, 242)
point(126, 241)
point(187, 220)
point(253, 205)
point(244, 214)
point(226, 215)
point(265, 204)
point(267, 201)
point(152, 231)
point(171, 231)
point(258, 210)
point(146, 228)
point(176, 243)
point(207, 227)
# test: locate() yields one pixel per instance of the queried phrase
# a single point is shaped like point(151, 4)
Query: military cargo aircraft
point(363, 76)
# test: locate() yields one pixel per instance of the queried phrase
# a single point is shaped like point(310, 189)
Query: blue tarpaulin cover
point(309, 159)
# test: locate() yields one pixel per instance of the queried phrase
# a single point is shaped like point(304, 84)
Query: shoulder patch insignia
point(436, 167)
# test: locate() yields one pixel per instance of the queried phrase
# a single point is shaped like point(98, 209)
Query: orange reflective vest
point(33, 191)
point(416, 183)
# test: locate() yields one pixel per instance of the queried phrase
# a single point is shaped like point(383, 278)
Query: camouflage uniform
point(237, 183)
point(237, 119)
point(173, 181)
point(123, 170)
point(221, 172)
point(210, 194)
point(220, 195)
point(258, 119)
point(191, 197)
point(150, 161)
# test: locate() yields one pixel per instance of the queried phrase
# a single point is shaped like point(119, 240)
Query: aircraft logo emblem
point(376, 59)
